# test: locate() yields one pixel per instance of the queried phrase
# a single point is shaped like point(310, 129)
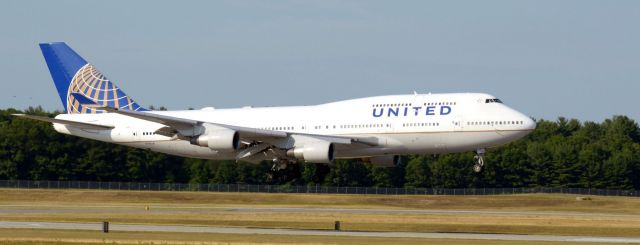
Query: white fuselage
point(403, 124)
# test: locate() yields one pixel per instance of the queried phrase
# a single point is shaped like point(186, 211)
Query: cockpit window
point(493, 101)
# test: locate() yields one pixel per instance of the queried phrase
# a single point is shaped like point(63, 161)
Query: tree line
point(560, 153)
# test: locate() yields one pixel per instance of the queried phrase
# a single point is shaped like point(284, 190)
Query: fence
point(135, 186)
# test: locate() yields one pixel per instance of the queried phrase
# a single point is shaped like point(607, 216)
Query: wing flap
point(174, 122)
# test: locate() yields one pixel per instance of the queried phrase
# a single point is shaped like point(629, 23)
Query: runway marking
point(275, 231)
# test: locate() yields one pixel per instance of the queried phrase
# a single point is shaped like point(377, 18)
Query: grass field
point(548, 202)
point(564, 215)
point(525, 202)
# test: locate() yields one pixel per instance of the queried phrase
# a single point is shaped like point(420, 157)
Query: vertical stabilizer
point(79, 83)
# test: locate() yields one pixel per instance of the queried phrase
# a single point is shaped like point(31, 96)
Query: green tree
point(309, 173)
point(453, 170)
point(225, 173)
point(541, 164)
point(379, 176)
point(348, 173)
point(618, 169)
point(418, 172)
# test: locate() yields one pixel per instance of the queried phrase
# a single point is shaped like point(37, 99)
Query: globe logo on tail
point(89, 83)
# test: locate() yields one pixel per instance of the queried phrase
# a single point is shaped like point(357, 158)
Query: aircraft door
point(458, 123)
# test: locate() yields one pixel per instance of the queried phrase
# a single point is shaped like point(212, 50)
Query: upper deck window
point(493, 101)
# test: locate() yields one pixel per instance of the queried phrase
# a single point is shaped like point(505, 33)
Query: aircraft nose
point(529, 124)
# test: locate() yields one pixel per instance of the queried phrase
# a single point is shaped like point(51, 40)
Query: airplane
point(374, 129)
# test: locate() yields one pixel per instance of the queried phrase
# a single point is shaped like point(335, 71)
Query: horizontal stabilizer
point(82, 125)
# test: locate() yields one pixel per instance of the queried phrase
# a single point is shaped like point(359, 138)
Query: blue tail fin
point(80, 84)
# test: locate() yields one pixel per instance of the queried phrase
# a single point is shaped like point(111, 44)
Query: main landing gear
point(280, 164)
point(478, 167)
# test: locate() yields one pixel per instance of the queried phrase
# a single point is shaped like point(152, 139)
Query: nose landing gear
point(479, 166)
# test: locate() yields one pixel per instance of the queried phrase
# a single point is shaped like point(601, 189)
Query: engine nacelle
point(385, 161)
point(218, 139)
point(316, 152)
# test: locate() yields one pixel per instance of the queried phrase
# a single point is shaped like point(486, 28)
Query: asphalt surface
point(262, 231)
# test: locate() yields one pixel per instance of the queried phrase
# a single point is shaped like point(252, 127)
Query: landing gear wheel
point(279, 165)
point(269, 177)
point(479, 166)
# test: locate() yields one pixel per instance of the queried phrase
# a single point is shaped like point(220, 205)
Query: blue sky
point(578, 59)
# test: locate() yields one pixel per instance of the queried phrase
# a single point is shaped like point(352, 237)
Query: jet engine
point(385, 161)
point(316, 152)
point(218, 139)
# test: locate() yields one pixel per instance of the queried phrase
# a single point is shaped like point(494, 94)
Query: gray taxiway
point(262, 231)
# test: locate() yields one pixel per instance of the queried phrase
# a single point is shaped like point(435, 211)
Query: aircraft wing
point(186, 126)
point(183, 124)
point(82, 125)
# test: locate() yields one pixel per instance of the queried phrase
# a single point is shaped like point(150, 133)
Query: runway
point(262, 231)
